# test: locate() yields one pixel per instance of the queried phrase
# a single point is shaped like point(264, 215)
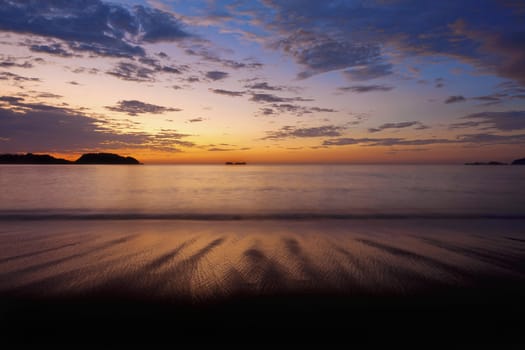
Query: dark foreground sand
point(427, 281)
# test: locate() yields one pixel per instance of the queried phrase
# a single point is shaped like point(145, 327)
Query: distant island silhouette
point(235, 163)
point(514, 162)
point(87, 158)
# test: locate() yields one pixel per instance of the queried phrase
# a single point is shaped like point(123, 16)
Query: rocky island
point(88, 158)
point(519, 161)
point(105, 158)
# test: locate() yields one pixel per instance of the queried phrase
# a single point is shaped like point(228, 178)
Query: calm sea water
point(286, 191)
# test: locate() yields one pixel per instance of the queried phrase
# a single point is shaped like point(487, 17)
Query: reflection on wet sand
point(169, 260)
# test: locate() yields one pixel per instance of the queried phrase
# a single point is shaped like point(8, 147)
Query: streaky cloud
point(366, 88)
point(227, 92)
point(502, 121)
point(134, 108)
point(455, 99)
point(288, 131)
point(400, 125)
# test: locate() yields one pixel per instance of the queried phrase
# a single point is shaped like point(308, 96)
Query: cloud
point(269, 98)
point(48, 95)
point(384, 142)
point(400, 125)
point(293, 132)
point(368, 72)
point(263, 86)
point(325, 36)
point(132, 72)
point(94, 26)
point(267, 111)
point(320, 53)
point(15, 77)
point(134, 108)
point(37, 127)
point(439, 83)
point(196, 120)
point(207, 55)
point(158, 67)
point(493, 139)
point(11, 62)
point(47, 128)
point(503, 121)
point(142, 73)
point(216, 75)
point(365, 88)
point(455, 99)
point(52, 49)
point(227, 92)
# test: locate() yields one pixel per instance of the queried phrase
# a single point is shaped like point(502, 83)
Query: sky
point(265, 81)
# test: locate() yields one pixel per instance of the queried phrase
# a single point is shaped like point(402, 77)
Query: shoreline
point(336, 280)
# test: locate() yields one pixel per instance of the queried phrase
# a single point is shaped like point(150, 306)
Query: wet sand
point(256, 281)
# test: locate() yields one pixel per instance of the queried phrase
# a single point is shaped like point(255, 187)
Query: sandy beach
point(452, 278)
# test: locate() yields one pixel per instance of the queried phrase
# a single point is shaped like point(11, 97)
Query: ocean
point(294, 253)
point(260, 191)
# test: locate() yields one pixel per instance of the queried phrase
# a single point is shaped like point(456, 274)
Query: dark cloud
point(93, 26)
point(503, 121)
point(15, 77)
point(293, 132)
point(227, 92)
point(400, 125)
point(46, 128)
point(269, 98)
point(144, 72)
point(493, 139)
point(263, 86)
point(158, 67)
point(48, 95)
point(368, 72)
point(267, 111)
point(297, 109)
point(365, 88)
point(332, 35)
point(52, 49)
point(196, 120)
point(207, 55)
point(37, 127)
point(455, 99)
point(384, 142)
point(192, 79)
point(489, 100)
point(132, 72)
point(216, 75)
point(12, 62)
point(73, 82)
point(439, 82)
point(134, 108)
point(220, 149)
point(320, 53)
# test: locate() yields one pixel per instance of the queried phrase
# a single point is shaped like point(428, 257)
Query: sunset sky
point(176, 81)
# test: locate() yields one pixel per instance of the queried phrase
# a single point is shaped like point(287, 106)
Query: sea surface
point(260, 191)
point(255, 253)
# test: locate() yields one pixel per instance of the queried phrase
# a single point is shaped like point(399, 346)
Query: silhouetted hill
point(105, 158)
point(519, 161)
point(30, 158)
